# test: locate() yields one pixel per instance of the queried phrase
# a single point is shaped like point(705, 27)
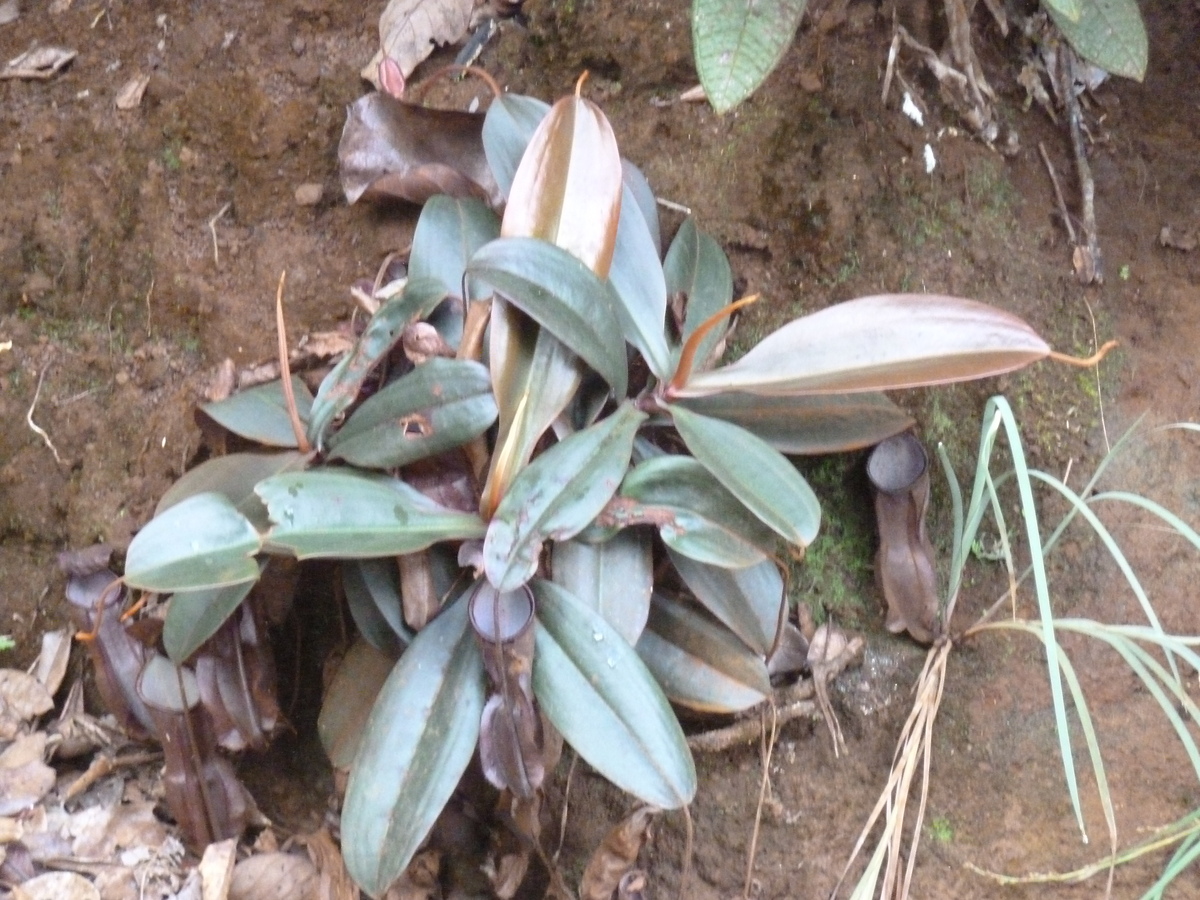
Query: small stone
point(309, 194)
point(122, 378)
point(299, 44)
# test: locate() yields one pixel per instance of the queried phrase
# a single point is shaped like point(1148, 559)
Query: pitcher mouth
point(896, 464)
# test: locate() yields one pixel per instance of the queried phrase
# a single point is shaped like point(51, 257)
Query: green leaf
point(748, 601)
point(260, 414)
point(234, 476)
point(700, 664)
point(878, 343)
point(1071, 9)
point(448, 233)
point(637, 278)
point(418, 741)
point(194, 616)
point(201, 542)
point(372, 588)
point(348, 700)
point(694, 512)
point(596, 690)
point(562, 295)
point(557, 496)
point(642, 194)
point(508, 127)
point(439, 405)
point(335, 513)
point(737, 44)
point(816, 424)
point(1108, 33)
point(342, 385)
point(762, 479)
point(697, 267)
point(613, 578)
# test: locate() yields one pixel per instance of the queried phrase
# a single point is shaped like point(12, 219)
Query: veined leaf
point(808, 424)
point(567, 189)
point(886, 342)
point(747, 601)
point(695, 514)
point(342, 385)
point(260, 413)
point(448, 233)
point(335, 513)
point(418, 741)
point(1107, 33)
point(1071, 9)
point(372, 588)
point(439, 405)
point(700, 664)
point(637, 279)
point(201, 542)
point(234, 476)
point(754, 472)
point(348, 700)
point(562, 295)
point(613, 578)
point(557, 496)
point(737, 44)
point(641, 194)
point(596, 690)
point(697, 267)
point(508, 127)
point(194, 616)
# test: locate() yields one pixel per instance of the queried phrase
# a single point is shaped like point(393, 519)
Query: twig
point(149, 310)
point(766, 747)
point(1062, 203)
point(33, 426)
point(673, 206)
point(212, 227)
point(285, 371)
point(1089, 263)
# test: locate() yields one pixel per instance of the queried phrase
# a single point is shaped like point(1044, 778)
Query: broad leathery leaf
point(697, 267)
point(201, 542)
point(695, 514)
point(737, 44)
point(1071, 9)
point(260, 414)
point(886, 342)
point(1108, 33)
point(448, 233)
point(562, 295)
point(567, 189)
point(372, 588)
point(557, 496)
point(813, 424)
point(334, 513)
point(754, 472)
point(508, 127)
point(418, 741)
point(699, 663)
point(194, 616)
point(348, 701)
point(613, 578)
point(439, 405)
point(598, 693)
point(342, 385)
point(637, 279)
point(534, 377)
point(642, 194)
point(234, 476)
point(748, 601)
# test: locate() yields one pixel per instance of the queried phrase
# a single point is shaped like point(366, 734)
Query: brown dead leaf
point(24, 776)
point(334, 881)
point(420, 879)
point(409, 29)
point(616, 855)
point(274, 876)
point(216, 869)
point(38, 64)
point(1185, 239)
point(23, 696)
point(51, 665)
point(131, 93)
point(59, 886)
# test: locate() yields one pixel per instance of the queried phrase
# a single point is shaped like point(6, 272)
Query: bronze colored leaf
point(616, 855)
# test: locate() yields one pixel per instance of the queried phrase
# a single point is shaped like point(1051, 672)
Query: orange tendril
point(687, 357)
point(1087, 363)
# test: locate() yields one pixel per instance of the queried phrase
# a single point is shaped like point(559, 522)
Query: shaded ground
point(121, 289)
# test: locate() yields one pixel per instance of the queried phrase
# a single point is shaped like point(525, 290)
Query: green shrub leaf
point(613, 578)
point(754, 472)
point(418, 740)
point(194, 616)
point(697, 267)
point(878, 343)
point(234, 476)
point(336, 513)
point(557, 496)
point(508, 127)
point(749, 601)
point(1071, 9)
point(439, 405)
point(448, 233)
point(596, 690)
point(1107, 33)
point(201, 542)
point(700, 664)
point(736, 44)
point(808, 424)
point(637, 278)
point(260, 414)
point(372, 589)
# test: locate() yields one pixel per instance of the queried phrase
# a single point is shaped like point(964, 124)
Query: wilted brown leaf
point(616, 855)
point(59, 886)
point(409, 29)
point(23, 696)
point(334, 881)
point(274, 876)
point(216, 869)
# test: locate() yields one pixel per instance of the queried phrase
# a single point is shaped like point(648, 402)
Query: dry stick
point(285, 371)
point(766, 748)
point(1095, 267)
point(33, 426)
point(1062, 203)
point(212, 227)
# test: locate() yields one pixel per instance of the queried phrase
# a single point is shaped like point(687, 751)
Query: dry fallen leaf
point(24, 777)
point(60, 886)
point(51, 665)
point(274, 876)
point(216, 869)
point(22, 695)
point(409, 29)
point(335, 882)
point(616, 855)
point(130, 95)
point(38, 64)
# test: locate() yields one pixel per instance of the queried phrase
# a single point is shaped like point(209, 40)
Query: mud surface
point(139, 249)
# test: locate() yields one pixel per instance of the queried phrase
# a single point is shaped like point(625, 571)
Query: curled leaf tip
point(579, 84)
point(1084, 363)
point(687, 356)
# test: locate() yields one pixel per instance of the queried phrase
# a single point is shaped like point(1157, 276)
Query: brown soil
point(121, 289)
